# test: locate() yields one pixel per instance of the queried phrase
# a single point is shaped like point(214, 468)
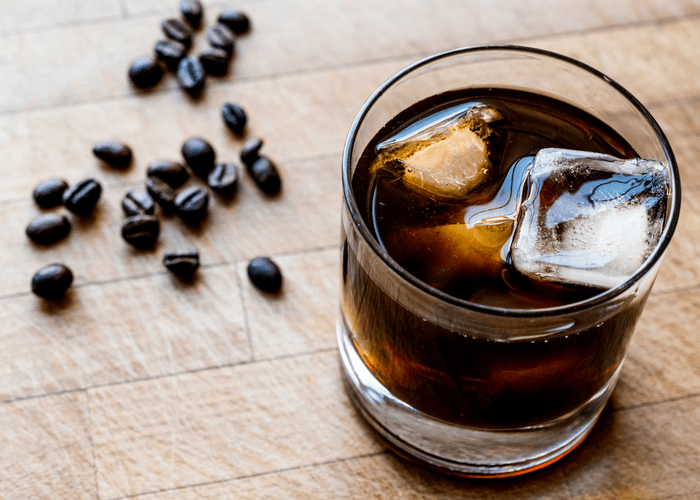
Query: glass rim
point(659, 250)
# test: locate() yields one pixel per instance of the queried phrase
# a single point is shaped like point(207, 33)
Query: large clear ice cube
point(447, 157)
point(589, 219)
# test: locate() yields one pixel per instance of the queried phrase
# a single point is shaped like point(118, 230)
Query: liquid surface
point(460, 246)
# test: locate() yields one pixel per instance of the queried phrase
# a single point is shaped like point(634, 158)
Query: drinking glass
point(473, 389)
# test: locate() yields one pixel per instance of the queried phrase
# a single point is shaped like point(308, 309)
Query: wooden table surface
point(139, 385)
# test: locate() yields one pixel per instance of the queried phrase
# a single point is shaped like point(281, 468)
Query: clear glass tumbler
point(560, 364)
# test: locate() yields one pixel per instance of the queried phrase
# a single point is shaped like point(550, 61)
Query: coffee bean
point(199, 155)
point(114, 153)
point(170, 52)
point(234, 117)
point(145, 72)
point(236, 20)
point(224, 178)
point(172, 173)
point(141, 230)
point(215, 61)
point(192, 11)
point(48, 228)
point(265, 274)
point(137, 202)
point(251, 151)
point(221, 37)
point(190, 76)
point(265, 175)
point(161, 193)
point(178, 31)
point(82, 197)
point(49, 193)
point(192, 203)
point(182, 263)
point(52, 281)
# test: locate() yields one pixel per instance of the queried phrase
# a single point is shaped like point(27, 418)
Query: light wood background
point(137, 385)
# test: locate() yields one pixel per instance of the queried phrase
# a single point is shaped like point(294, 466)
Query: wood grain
point(121, 330)
point(46, 449)
point(221, 424)
point(301, 318)
point(138, 383)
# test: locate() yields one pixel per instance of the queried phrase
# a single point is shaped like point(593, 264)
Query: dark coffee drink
point(474, 380)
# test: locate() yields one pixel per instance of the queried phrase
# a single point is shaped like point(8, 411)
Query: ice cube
point(446, 157)
point(589, 219)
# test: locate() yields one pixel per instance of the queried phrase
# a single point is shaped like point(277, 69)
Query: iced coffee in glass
point(506, 211)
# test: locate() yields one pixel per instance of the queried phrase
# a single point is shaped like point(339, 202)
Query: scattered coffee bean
point(48, 228)
point(199, 155)
point(49, 193)
point(178, 31)
point(220, 36)
point(224, 178)
point(190, 76)
point(265, 175)
point(234, 117)
point(236, 20)
point(82, 197)
point(141, 230)
point(182, 263)
point(170, 52)
point(145, 72)
point(114, 153)
point(192, 11)
point(192, 203)
point(161, 193)
point(265, 274)
point(137, 202)
point(52, 281)
point(172, 173)
point(215, 61)
point(251, 151)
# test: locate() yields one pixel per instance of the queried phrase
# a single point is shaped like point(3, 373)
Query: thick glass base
point(455, 448)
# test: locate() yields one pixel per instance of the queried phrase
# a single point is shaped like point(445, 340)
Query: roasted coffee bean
point(49, 193)
point(192, 11)
point(114, 153)
point(234, 117)
point(178, 31)
point(170, 52)
point(190, 76)
point(265, 274)
point(221, 37)
point(215, 61)
point(265, 175)
point(251, 151)
point(52, 281)
point(141, 230)
point(182, 263)
point(192, 203)
point(48, 228)
point(224, 178)
point(236, 20)
point(174, 174)
point(199, 155)
point(145, 72)
point(137, 202)
point(81, 198)
point(161, 193)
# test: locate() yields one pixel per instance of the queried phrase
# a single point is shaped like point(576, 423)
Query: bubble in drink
point(447, 156)
point(589, 219)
